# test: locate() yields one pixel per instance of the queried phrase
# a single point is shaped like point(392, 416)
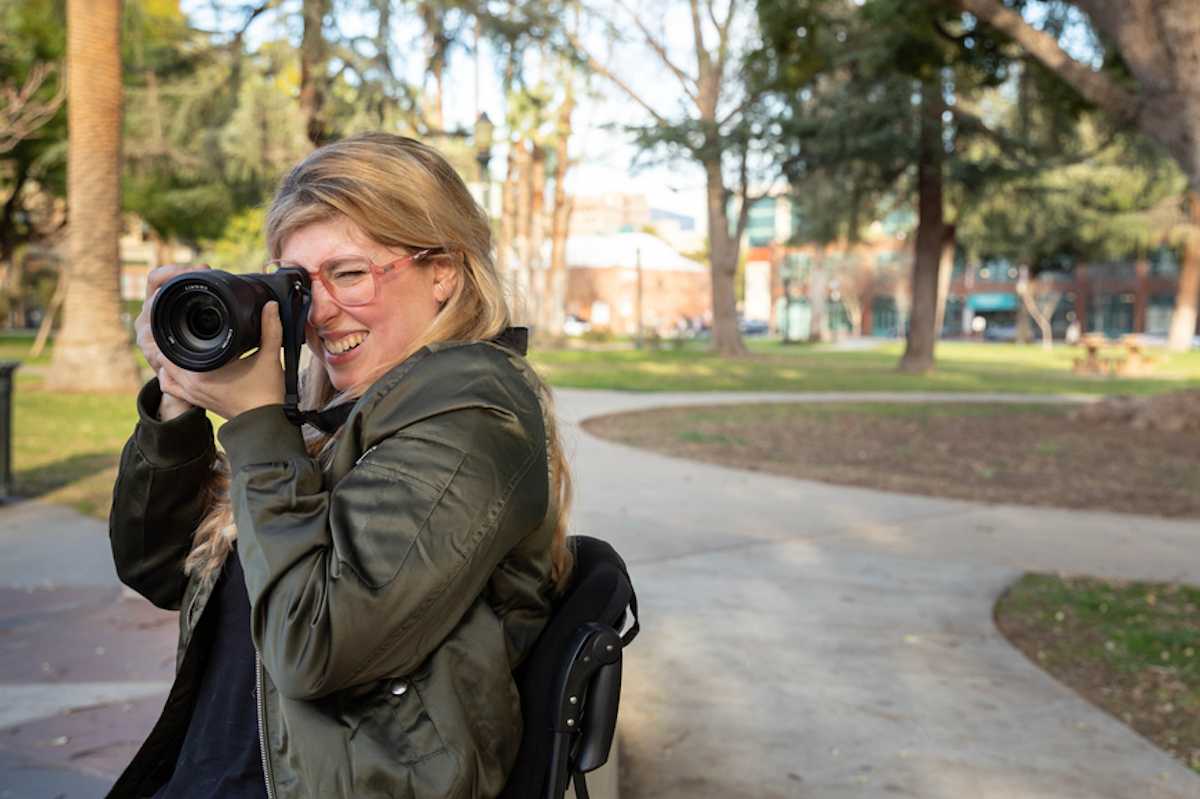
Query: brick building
point(605, 270)
point(868, 284)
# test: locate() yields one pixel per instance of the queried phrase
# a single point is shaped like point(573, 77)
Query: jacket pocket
point(389, 720)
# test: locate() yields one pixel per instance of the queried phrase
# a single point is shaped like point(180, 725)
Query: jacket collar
point(330, 419)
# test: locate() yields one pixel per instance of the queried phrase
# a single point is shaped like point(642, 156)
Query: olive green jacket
point(392, 592)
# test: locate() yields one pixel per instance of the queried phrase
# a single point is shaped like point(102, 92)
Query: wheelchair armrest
point(588, 691)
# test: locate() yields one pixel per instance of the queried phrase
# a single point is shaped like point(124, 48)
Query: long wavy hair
point(400, 193)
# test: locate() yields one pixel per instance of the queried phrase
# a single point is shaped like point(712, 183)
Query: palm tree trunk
point(93, 351)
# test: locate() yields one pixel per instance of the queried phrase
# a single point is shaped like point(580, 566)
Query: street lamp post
point(484, 132)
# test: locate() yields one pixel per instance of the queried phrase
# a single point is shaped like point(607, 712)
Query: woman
point(351, 605)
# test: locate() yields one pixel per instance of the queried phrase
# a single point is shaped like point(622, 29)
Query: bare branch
point(1095, 86)
point(686, 80)
point(599, 68)
point(21, 114)
point(702, 59)
point(723, 35)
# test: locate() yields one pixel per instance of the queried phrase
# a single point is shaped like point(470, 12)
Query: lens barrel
point(203, 320)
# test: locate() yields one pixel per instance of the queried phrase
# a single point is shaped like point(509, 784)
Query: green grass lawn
point(961, 366)
point(66, 445)
point(1131, 648)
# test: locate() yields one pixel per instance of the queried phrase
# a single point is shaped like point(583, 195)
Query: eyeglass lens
point(350, 281)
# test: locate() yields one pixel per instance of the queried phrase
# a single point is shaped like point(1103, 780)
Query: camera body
point(203, 320)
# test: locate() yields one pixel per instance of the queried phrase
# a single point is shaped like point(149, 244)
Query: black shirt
point(221, 755)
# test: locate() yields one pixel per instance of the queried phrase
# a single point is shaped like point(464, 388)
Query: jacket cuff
point(261, 435)
point(174, 442)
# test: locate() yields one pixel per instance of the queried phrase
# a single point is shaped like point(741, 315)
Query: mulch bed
point(1030, 455)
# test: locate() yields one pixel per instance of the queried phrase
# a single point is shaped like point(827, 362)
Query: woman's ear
point(445, 279)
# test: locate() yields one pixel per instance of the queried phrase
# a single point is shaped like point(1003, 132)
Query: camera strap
point(293, 315)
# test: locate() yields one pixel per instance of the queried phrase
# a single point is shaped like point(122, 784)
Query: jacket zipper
point(262, 725)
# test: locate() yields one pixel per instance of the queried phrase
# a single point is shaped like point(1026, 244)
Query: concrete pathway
point(809, 640)
point(800, 639)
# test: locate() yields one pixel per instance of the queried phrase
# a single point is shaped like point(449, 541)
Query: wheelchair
point(570, 683)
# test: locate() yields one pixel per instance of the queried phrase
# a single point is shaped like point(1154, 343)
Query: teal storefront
point(992, 302)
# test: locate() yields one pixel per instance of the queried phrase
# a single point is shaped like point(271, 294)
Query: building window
point(760, 223)
point(1164, 262)
point(884, 319)
point(1158, 314)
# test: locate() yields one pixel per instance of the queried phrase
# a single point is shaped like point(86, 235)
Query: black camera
point(203, 320)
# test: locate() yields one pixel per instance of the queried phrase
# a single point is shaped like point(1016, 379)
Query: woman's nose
point(322, 309)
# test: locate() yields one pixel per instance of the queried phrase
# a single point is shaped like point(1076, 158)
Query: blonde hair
point(403, 194)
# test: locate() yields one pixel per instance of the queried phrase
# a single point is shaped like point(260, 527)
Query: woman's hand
point(238, 386)
point(171, 406)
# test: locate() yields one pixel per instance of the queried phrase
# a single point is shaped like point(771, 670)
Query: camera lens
point(199, 321)
point(204, 320)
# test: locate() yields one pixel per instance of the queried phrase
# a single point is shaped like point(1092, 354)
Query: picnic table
point(1134, 363)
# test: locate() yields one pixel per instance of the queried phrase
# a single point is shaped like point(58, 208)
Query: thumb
point(272, 327)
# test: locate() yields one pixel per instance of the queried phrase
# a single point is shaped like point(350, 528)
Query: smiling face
point(357, 344)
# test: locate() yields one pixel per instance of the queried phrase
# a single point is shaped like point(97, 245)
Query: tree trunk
point(921, 335)
point(560, 219)
point(52, 307)
point(313, 59)
point(523, 161)
point(537, 232)
point(1032, 312)
point(1183, 320)
point(727, 339)
point(818, 295)
point(93, 351)
point(945, 274)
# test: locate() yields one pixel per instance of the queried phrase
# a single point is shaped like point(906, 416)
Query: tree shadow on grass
point(49, 477)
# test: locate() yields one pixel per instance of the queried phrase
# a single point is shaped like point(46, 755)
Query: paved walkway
point(800, 639)
point(809, 640)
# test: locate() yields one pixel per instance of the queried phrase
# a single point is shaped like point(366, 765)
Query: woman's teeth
point(345, 344)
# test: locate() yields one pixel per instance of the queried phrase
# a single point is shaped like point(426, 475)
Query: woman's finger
point(272, 328)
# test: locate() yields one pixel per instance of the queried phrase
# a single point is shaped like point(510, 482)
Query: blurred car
point(574, 326)
point(1000, 333)
point(753, 327)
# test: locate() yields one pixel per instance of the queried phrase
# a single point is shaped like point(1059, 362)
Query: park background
point(991, 209)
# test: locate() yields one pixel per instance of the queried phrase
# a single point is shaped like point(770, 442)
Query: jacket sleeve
point(158, 499)
point(365, 580)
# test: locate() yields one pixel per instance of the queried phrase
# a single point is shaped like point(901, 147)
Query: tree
point(1109, 197)
point(721, 132)
point(92, 352)
point(872, 109)
point(1157, 43)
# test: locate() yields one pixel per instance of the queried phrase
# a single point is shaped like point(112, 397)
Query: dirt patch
point(1176, 412)
point(1030, 455)
point(1132, 649)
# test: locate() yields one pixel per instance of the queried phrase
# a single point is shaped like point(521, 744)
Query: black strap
point(632, 632)
point(330, 419)
point(293, 314)
point(581, 791)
